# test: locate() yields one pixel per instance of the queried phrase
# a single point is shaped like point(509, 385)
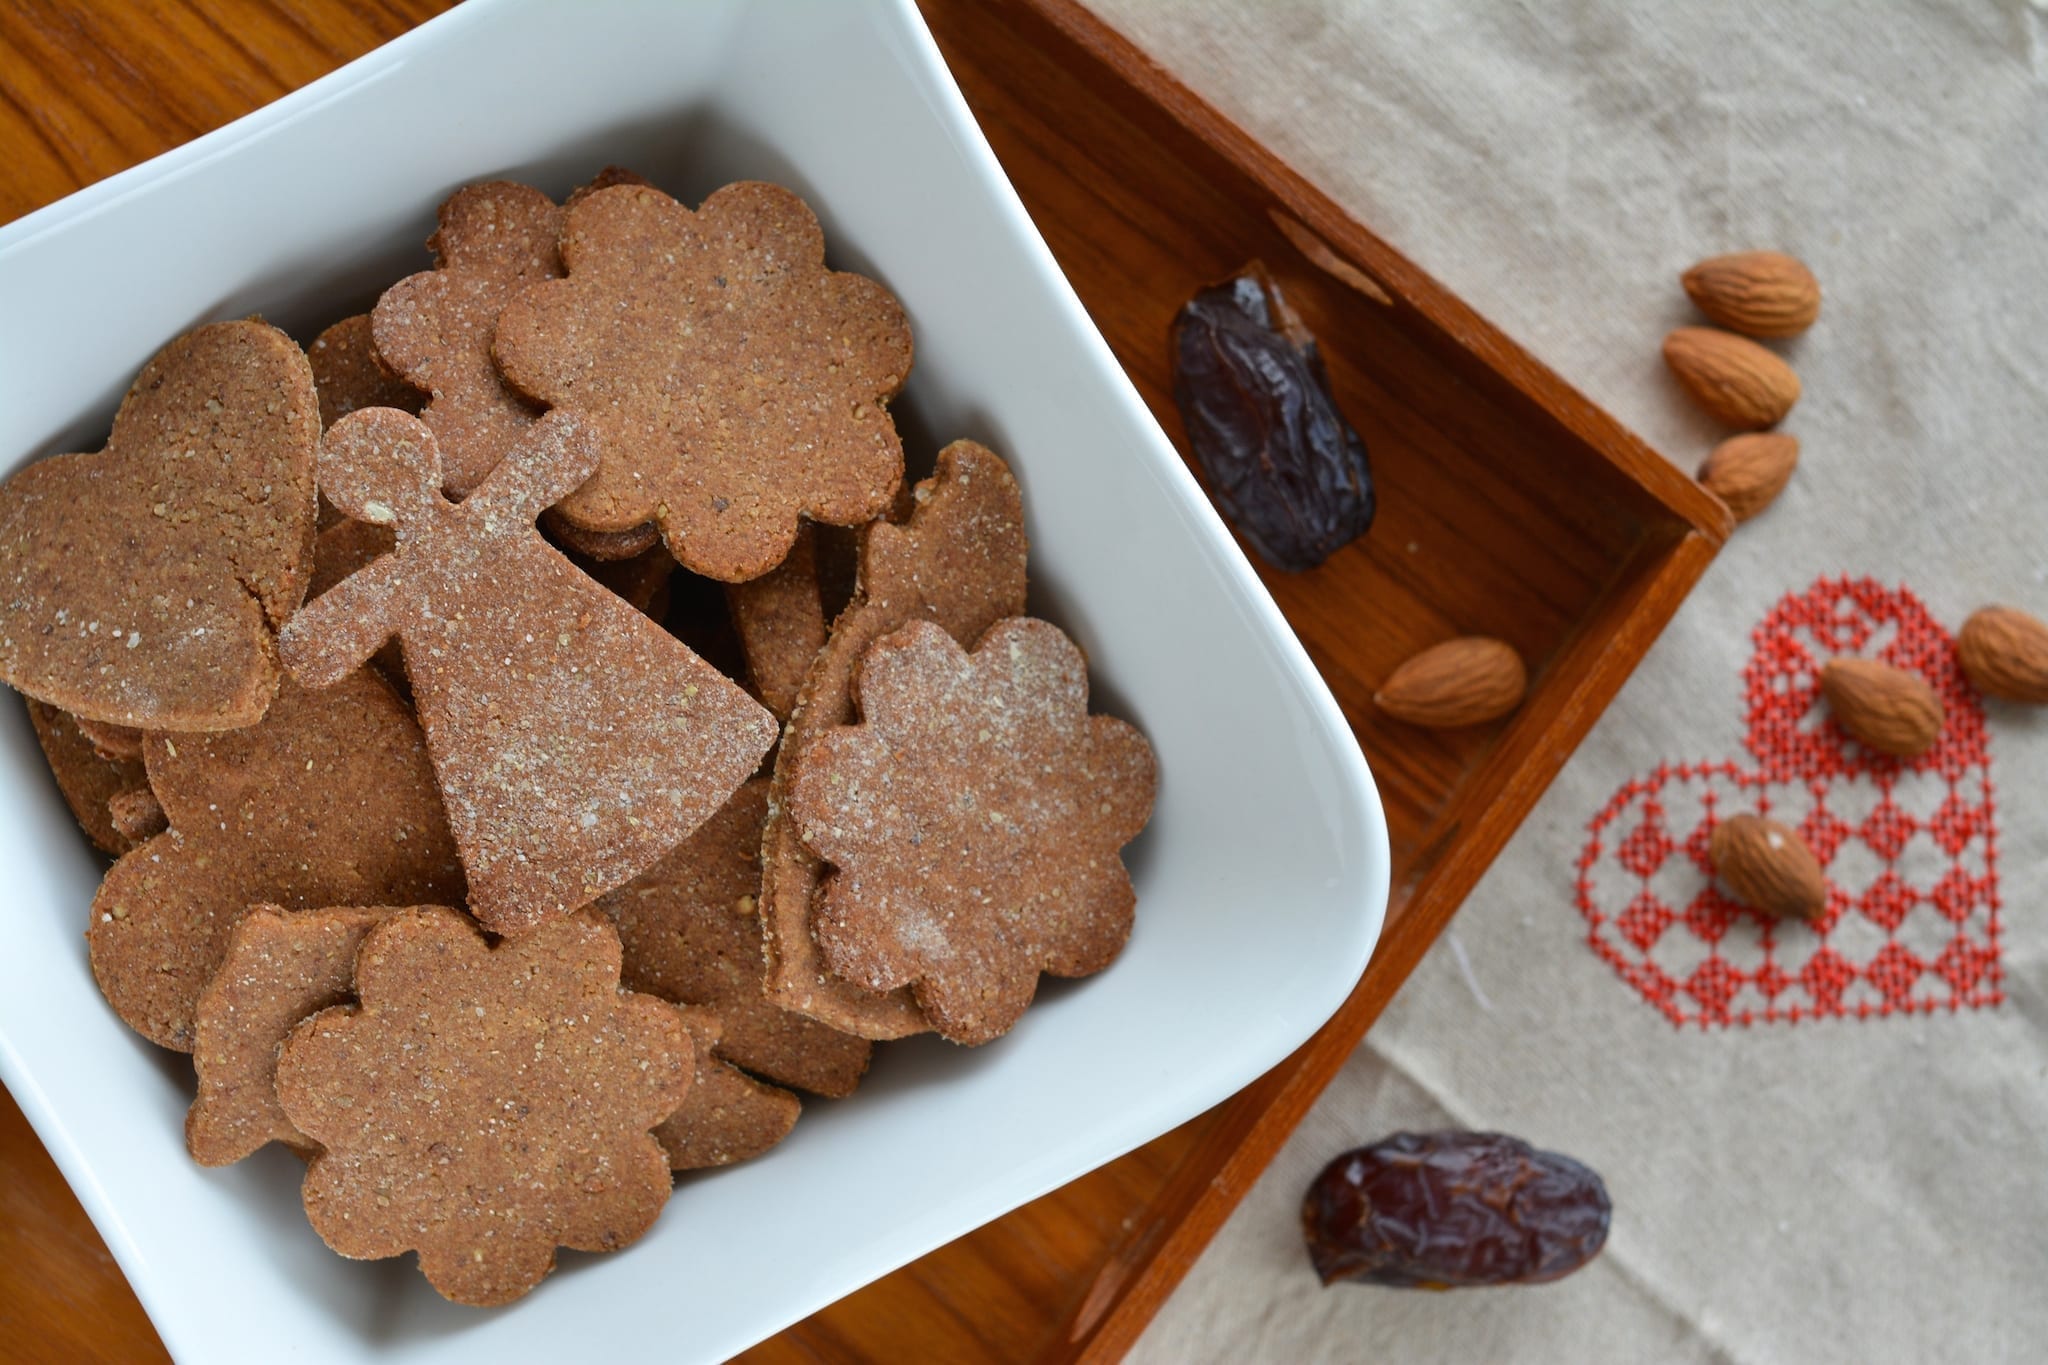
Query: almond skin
point(1769, 867)
point(1467, 681)
point(1737, 381)
point(2004, 652)
point(1886, 708)
point(1748, 472)
point(1757, 293)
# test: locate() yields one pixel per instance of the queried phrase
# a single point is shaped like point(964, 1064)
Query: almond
point(1769, 867)
point(1460, 682)
point(1737, 381)
point(1886, 708)
point(1757, 293)
point(2004, 652)
point(1747, 472)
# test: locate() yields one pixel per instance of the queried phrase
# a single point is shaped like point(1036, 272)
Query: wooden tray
point(1509, 506)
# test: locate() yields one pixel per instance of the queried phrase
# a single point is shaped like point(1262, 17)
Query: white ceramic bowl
point(1262, 879)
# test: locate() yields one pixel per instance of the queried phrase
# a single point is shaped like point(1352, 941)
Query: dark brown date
point(1284, 466)
point(1451, 1210)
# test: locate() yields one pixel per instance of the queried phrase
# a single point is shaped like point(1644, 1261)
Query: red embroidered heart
point(1909, 846)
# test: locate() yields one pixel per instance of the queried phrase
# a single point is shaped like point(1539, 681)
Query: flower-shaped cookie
point(974, 820)
point(435, 328)
point(484, 1105)
point(736, 384)
point(958, 560)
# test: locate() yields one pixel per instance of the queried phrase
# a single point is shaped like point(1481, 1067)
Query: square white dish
point(1262, 880)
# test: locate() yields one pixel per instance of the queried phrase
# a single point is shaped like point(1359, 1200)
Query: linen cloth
point(1854, 1189)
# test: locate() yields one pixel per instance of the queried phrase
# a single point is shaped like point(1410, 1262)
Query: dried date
point(1283, 464)
point(1450, 1210)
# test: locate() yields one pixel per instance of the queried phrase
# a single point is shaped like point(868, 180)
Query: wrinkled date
point(1451, 1210)
point(1284, 466)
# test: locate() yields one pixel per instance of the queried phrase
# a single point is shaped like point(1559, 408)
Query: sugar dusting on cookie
point(484, 1104)
point(574, 740)
point(737, 384)
point(959, 560)
point(974, 820)
point(141, 585)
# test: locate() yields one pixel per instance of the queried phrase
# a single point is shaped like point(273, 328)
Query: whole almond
point(1757, 293)
point(2004, 652)
point(1466, 681)
point(1769, 867)
point(1886, 708)
point(1737, 381)
point(1748, 471)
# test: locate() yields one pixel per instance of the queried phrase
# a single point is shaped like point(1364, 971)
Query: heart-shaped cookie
point(1907, 845)
point(143, 584)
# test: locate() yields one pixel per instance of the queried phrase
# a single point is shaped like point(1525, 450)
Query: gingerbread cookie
point(692, 930)
point(574, 740)
point(483, 1104)
point(974, 819)
point(137, 814)
point(728, 1116)
point(736, 384)
point(601, 545)
point(281, 966)
point(781, 623)
point(89, 781)
point(115, 743)
point(329, 800)
point(141, 585)
point(435, 328)
point(338, 551)
point(348, 374)
point(958, 560)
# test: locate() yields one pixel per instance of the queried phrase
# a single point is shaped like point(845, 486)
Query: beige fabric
point(1856, 1191)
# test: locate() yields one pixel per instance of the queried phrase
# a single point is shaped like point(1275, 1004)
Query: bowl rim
point(903, 18)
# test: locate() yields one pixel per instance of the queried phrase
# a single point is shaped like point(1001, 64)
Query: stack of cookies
point(538, 731)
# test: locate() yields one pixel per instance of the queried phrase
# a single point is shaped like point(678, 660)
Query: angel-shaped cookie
point(574, 740)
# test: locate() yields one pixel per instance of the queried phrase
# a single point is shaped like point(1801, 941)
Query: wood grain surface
point(1510, 506)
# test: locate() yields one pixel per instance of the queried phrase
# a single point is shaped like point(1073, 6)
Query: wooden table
point(89, 89)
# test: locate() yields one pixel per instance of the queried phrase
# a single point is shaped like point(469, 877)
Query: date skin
point(1452, 1210)
point(1285, 467)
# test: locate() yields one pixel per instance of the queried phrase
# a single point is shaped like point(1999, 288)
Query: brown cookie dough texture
point(89, 782)
point(641, 581)
point(729, 1117)
point(483, 1105)
point(601, 545)
point(137, 814)
point(281, 967)
point(329, 800)
point(575, 741)
point(781, 624)
point(141, 585)
point(338, 551)
point(692, 930)
point(958, 561)
point(435, 328)
point(974, 820)
point(115, 743)
point(347, 373)
point(737, 385)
